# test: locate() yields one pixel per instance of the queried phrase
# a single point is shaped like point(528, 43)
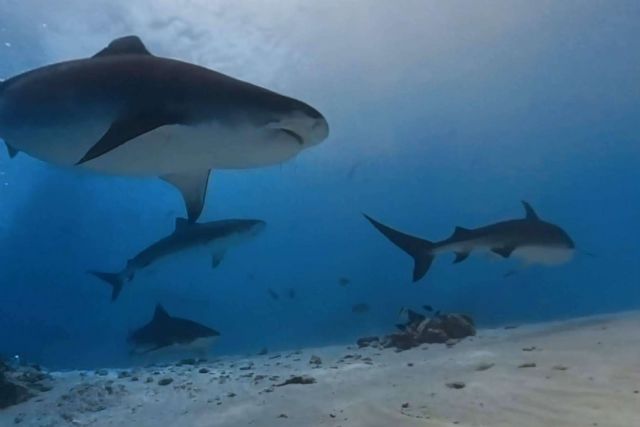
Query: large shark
point(167, 332)
point(125, 111)
point(216, 236)
point(530, 238)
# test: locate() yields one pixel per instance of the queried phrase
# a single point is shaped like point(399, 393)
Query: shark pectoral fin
point(461, 256)
point(12, 151)
point(193, 187)
point(127, 128)
point(216, 259)
point(504, 252)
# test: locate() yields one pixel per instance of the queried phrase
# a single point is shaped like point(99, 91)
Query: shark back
point(531, 237)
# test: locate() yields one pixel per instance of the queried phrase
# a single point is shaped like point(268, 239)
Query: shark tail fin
point(114, 279)
point(419, 249)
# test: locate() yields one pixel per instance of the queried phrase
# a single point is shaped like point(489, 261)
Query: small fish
point(344, 281)
point(291, 293)
point(509, 273)
point(352, 170)
point(427, 308)
point(360, 308)
point(273, 294)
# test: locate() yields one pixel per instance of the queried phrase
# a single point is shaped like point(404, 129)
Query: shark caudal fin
point(114, 279)
point(420, 250)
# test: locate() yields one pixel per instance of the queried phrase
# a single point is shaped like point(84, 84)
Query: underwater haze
point(441, 114)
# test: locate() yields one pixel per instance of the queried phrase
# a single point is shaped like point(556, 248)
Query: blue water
point(441, 114)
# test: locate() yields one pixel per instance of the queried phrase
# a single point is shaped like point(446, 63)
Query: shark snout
point(257, 227)
point(305, 126)
point(317, 127)
point(571, 244)
point(319, 131)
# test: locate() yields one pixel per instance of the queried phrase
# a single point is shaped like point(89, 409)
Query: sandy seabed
point(583, 372)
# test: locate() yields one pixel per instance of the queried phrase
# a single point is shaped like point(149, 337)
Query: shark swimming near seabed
point(165, 332)
point(215, 236)
point(125, 111)
point(531, 239)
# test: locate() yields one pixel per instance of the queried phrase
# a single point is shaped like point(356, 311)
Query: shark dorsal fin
point(12, 151)
point(530, 213)
point(129, 45)
point(461, 233)
point(160, 314)
point(182, 223)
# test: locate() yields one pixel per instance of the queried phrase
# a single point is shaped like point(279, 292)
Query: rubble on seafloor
point(438, 329)
point(20, 384)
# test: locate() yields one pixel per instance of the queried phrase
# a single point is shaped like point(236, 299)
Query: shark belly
point(543, 255)
point(198, 347)
point(178, 148)
point(529, 254)
point(171, 254)
point(465, 246)
point(168, 149)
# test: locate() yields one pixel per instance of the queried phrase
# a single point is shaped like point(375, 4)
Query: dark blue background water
point(441, 115)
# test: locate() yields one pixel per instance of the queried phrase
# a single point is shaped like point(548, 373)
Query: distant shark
point(165, 331)
point(125, 111)
point(531, 239)
point(216, 236)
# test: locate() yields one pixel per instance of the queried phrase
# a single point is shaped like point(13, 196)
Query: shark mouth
point(294, 135)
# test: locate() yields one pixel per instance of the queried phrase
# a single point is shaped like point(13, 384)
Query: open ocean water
point(440, 115)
